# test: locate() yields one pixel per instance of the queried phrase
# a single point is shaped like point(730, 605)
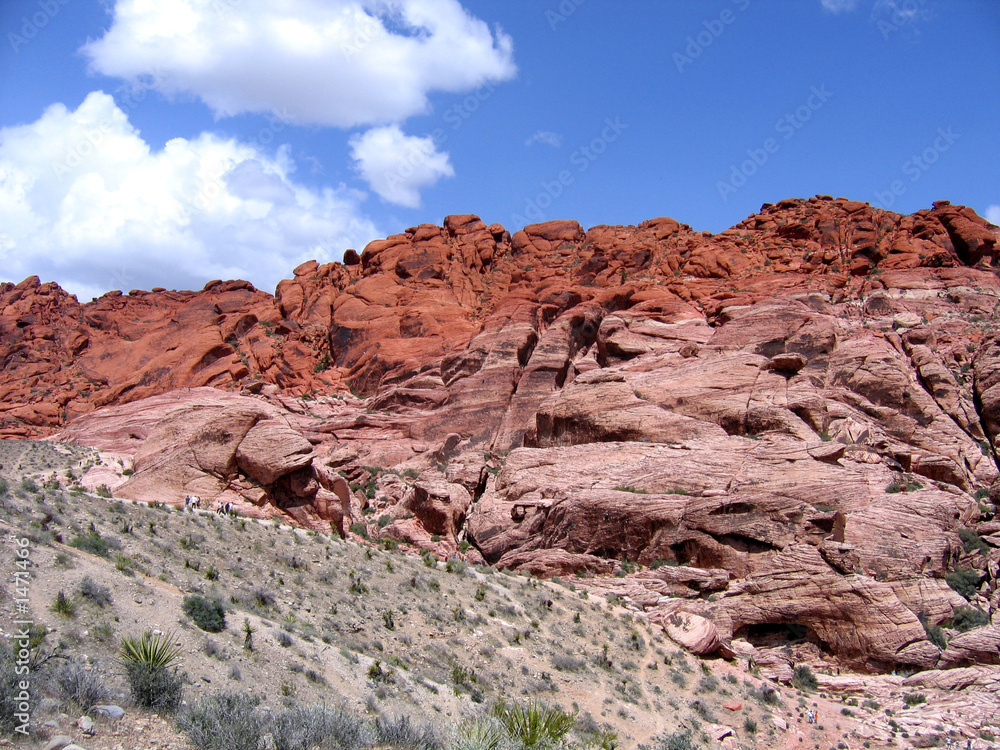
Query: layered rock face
point(788, 427)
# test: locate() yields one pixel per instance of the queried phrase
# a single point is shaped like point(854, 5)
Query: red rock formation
point(796, 415)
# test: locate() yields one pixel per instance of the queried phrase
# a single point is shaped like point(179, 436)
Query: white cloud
point(839, 6)
point(992, 214)
point(86, 202)
point(342, 63)
point(396, 166)
point(546, 137)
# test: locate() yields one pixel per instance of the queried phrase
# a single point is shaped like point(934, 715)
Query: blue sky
point(166, 144)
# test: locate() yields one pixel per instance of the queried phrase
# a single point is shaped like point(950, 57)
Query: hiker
point(187, 501)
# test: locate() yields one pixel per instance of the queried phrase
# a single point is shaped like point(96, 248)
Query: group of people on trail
point(193, 502)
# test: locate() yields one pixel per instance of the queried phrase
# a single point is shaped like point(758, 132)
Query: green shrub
point(936, 636)
point(804, 679)
point(63, 605)
point(967, 618)
point(972, 542)
point(911, 485)
point(913, 699)
point(964, 580)
point(94, 543)
point(4, 487)
point(29, 485)
point(208, 614)
point(360, 529)
point(147, 661)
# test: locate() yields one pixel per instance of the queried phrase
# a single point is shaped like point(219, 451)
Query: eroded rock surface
point(787, 429)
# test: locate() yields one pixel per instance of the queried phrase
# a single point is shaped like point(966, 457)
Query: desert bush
point(967, 618)
point(63, 605)
point(223, 721)
point(147, 661)
point(308, 727)
point(284, 639)
point(913, 699)
point(803, 678)
point(565, 663)
point(972, 542)
point(82, 687)
point(208, 614)
point(400, 732)
point(676, 741)
point(94, 592)
point(94, 543)
point(4, 487)
point(964, 581)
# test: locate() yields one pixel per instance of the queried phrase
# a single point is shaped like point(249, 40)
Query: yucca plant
point(486, 733)
point(147, 661)
point(534, 725)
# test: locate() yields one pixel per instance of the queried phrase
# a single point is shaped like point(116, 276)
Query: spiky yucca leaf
point(534, 725)
point(154, 650)
point(486, 733)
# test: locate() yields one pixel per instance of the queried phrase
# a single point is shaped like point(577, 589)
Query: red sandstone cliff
point(793, 420)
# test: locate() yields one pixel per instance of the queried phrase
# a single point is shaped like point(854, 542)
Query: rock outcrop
point(787, 429)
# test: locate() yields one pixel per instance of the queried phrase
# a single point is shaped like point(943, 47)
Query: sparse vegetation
point(964, 581)
point(967, 618)
point(207, 614)
point(81, 687)
point(149, 662)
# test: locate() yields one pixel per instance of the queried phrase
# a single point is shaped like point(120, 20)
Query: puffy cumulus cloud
point(396, 166)
point(992, 215)
point(84, 201)
point(330, 62)
point(839, 6)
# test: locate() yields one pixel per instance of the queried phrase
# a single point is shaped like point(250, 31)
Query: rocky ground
point(450, 638)
point(778, 443)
